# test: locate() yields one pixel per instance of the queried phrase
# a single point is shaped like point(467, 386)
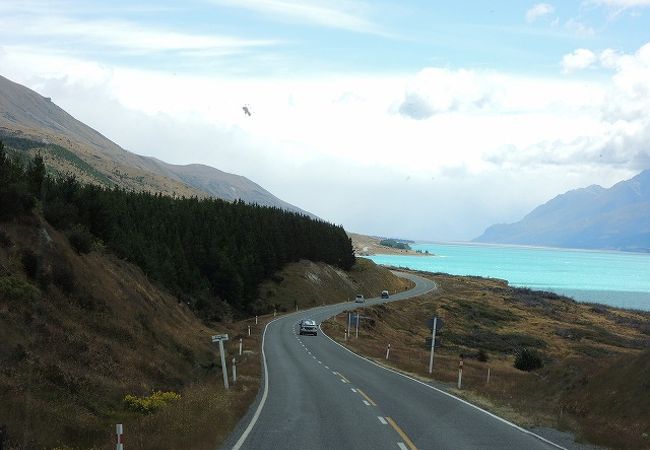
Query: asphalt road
point(318, 395)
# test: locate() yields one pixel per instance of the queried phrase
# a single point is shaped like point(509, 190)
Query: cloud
point(579, 59)
point(124, 36)
point(539, 10)
point(437, 91)
point(624, 4)
point(580, 29)
point(348, 15)
point(487, 146)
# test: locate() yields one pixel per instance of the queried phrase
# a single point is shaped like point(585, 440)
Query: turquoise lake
point(612, 278)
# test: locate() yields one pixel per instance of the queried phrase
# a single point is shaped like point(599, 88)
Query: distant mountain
point(30, 122)
point(593, 217)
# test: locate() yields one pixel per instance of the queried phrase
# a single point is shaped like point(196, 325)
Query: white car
point(308, 326)
point(359, 299)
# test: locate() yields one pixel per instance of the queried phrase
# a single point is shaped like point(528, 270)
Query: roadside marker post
point(356, 335)
point(487, 381)
point(347, 330)
point(234, 371)
point(241, 344)
point(249, 330)
point(220, 338)
point(119, 431)
point(433, 343)
point(255, 320)
point(274, 312)
point(460, 372)
point(388, 351)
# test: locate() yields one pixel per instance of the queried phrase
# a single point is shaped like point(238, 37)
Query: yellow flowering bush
point(152, 403)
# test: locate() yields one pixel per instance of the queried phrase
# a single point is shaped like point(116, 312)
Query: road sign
point(219, 337)
point(439, 324)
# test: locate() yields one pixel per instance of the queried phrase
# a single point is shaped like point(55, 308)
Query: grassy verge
point(594, 357)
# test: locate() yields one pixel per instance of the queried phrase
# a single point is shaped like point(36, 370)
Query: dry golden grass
point(67, 360)
point(586, 348)
point(307, 284)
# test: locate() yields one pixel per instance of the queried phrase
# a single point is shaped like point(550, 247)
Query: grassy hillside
point(79, 332)
point(306, 284)
point(595, 358)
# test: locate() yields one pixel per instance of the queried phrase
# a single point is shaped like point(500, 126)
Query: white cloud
point(484, 136)
point(579, 59)
point(348, 15)
point(123, 36)
point(539, 10)
point(580, 29)
point(622, 3)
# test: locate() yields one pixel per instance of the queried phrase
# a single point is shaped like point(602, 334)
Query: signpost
point(434, 324)
point(221, 338)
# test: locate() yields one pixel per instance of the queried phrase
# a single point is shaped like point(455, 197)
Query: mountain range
point(594, 217)
point(33, 123)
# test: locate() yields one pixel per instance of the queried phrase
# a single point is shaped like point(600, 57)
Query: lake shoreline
point(611, 278)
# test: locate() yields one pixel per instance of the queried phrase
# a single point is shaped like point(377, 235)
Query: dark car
point(308, 326)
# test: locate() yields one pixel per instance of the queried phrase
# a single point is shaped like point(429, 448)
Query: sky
point(412, 119)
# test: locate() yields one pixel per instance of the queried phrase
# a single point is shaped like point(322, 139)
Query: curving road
point(319, 395)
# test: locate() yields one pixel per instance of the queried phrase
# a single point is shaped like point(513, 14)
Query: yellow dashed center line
point(363, 394)
point(342, 377)
point(403, 435)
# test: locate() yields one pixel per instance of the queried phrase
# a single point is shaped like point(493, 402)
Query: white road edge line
point(382, 420)
point(265, 394)
point(517, 427)
point(366, 402)
point(353, 390)
point(402, 446)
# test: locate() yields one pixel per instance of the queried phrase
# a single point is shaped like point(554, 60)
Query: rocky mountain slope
point(34, 123)
point(593, 217)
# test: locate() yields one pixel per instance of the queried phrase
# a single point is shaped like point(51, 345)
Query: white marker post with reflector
point(120, 441)
point(388, 351)
point(460, 372)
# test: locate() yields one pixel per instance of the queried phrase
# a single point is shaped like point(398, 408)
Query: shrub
point(5, 240)
point(80, 239)
point(63, 276)
point(152, 403)
point(30, 263)
point(482, 355)
point(528, 360)
point(12, 288)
